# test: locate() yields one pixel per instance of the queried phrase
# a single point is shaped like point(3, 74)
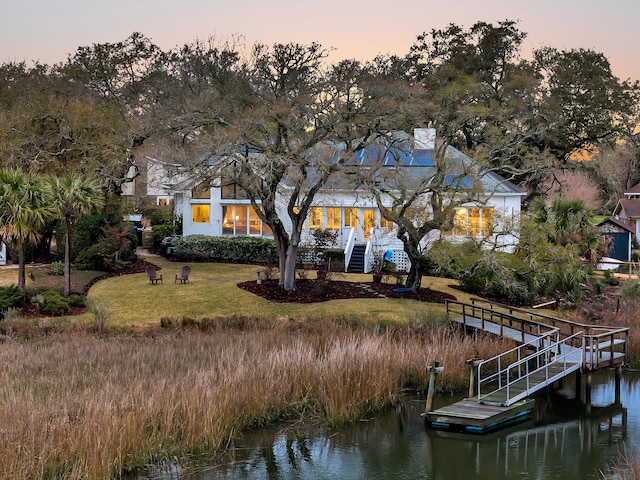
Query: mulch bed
point(310, 291)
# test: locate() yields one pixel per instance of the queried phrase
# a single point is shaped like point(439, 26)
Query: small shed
point(620, 235)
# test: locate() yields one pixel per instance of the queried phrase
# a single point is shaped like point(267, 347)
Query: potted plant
point(381, 265)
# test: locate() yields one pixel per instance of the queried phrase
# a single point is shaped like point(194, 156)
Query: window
point(315, 218)
point(386, 224)
point(368, 220)
point(351, 218)
point(231, 190)
point(202, 191)
point(333, 218)
point(472, 221)
point(164, 201)
point(200, 213)
point(242, 220)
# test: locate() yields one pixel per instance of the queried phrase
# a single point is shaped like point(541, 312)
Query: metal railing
point(521, 371)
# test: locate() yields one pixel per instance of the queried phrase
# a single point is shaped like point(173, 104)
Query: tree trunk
point(67, 260)
point(290, 267)
point(414, 278)
point(21, 262)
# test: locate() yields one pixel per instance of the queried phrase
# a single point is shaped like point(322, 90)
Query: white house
point(352, 212)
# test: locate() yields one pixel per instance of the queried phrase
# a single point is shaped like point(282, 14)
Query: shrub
point(109, 252)
point(10, 297)
point(51, 302)
point(57, 268)
point(159, 215)
point(159, 233)
point(203, 248)
point(90, 231)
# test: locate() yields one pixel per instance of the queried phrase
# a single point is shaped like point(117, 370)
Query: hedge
point(205, 248)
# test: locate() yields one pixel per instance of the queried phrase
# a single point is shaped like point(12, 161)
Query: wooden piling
point(435, 369)
point(473, 367)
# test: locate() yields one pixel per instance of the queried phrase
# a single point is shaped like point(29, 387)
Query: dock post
point(587, 392)
point(435, 369)
point(473, 364)
point(617, 385)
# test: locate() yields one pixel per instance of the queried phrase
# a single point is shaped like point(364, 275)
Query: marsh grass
point(627, 316)
point(79, 406)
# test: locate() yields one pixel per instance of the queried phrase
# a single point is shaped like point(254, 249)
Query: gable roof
point(617, 222)
point(630, 206)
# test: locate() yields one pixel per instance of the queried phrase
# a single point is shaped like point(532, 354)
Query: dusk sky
point(50, 30)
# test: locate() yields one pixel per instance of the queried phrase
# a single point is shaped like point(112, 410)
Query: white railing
point(348, 247)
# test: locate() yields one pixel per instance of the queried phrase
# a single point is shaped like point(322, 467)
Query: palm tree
point(570, 222)
point(72, 196)
point(24, 210)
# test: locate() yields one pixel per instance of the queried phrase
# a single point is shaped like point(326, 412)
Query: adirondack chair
point(154, 278)
point(183, 277)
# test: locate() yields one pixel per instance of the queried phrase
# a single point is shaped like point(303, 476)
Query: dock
point(548, 350)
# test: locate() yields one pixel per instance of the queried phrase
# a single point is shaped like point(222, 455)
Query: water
point(562, 440)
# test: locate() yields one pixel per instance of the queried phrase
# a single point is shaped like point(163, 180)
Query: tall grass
point(627, 316)
point(78, 406)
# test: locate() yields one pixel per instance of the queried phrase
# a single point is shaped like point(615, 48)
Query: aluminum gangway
point(548, 349)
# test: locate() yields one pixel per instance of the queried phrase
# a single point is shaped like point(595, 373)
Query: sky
point(49, 31)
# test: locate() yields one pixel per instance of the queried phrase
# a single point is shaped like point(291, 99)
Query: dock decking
point(549, 349)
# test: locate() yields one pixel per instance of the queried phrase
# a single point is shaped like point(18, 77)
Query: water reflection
point(563, 440)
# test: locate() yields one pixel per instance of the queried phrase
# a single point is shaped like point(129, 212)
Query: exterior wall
point(3, 254)
point(506, 215)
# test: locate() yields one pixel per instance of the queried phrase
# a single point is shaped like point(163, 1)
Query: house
point(351, 211)
point(619, 235)
point(3, 254)
point(153, 181)
point(627, 210)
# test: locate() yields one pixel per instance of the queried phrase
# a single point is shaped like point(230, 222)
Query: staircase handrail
point(551, 354)
point(536, 342)
point(348, 247)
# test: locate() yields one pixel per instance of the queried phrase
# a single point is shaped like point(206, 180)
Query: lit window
point(333, 218)
point(472, 221)
point(200, 213)
point(242, 220)
point(386, 224)
point(315, 218)
point(351, 218)
point(369, 220)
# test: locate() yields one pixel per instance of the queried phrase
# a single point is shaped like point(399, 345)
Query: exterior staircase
point(356, 264)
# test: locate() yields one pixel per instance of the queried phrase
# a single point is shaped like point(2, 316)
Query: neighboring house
point(153, 181)
point(619, 236)
point(352, 212)
point(627, 210)
point(3, 254)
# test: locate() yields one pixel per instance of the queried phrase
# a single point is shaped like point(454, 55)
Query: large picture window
point(472, 222)
point(242, 220)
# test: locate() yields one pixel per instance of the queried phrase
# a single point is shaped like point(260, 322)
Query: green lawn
point(212, 290)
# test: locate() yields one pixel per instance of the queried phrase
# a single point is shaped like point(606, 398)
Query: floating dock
point(469, 416)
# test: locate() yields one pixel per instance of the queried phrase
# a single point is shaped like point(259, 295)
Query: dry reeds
point(77, 406)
